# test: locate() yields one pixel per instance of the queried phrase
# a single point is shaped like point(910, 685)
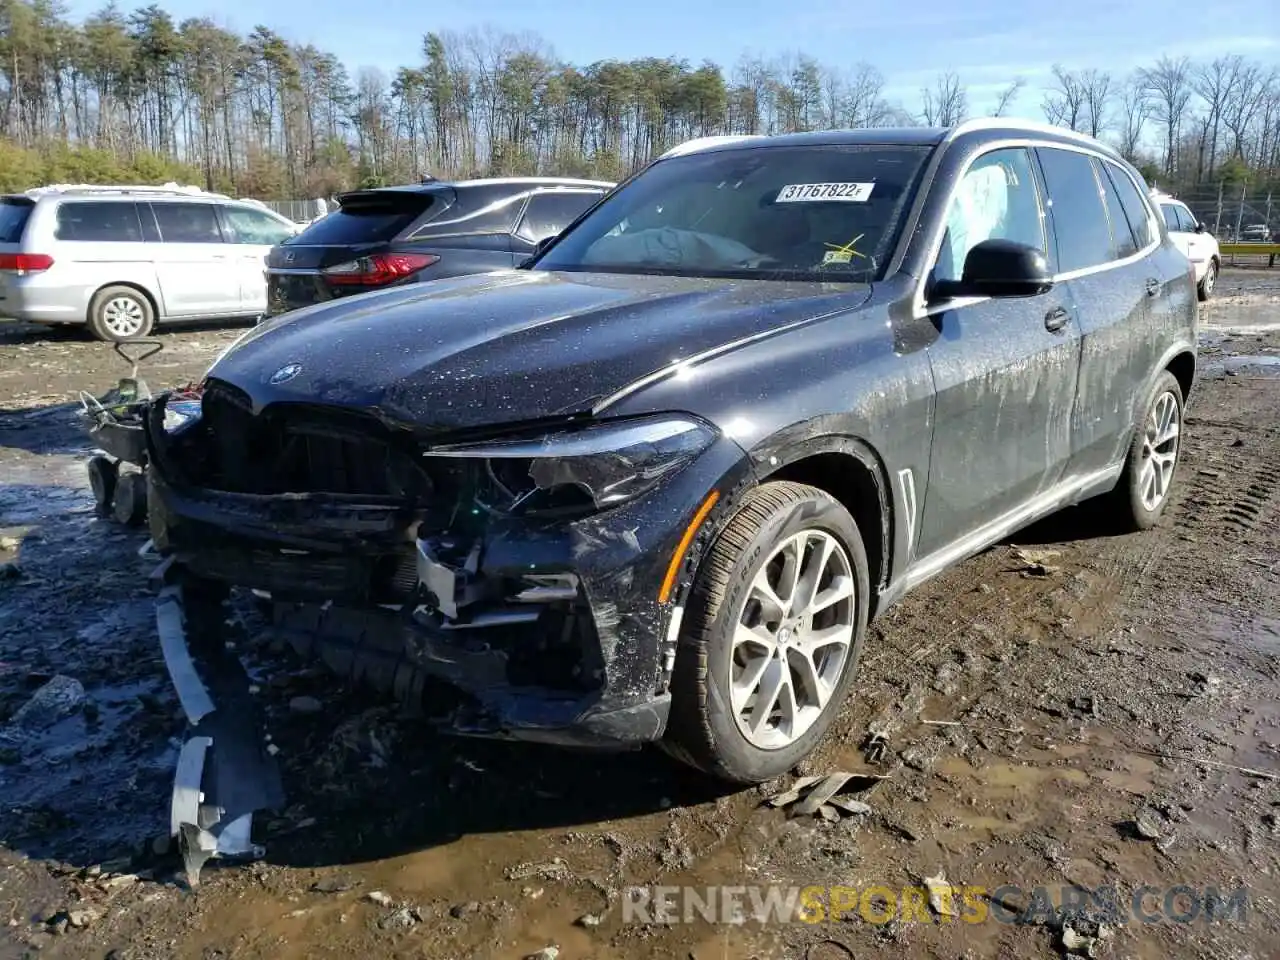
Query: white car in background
point(1191, 237)
point(122, 259)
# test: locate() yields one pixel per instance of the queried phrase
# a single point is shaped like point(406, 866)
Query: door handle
point(1056, 319)
point(1153, 286)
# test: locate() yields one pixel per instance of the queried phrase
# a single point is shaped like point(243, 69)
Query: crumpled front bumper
point(225, 771)
point(584, 592)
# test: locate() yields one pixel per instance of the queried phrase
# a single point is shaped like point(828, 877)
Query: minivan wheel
point(772, 635)
point(1208, 281)
point(120, 313)
point(1143, 491)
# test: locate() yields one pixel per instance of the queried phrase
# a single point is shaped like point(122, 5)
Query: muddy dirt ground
point(1113, 720)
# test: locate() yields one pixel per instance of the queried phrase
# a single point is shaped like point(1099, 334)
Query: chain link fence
point(1234, 213)
point(300, 211)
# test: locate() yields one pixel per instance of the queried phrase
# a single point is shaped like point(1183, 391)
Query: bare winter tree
point(1007, 96)
point(1168, 89)
point(945, 103)
point(1134, 109)
point(1215, 83)
point(1249, 93)
point(1097, 98)
point(1065, 103)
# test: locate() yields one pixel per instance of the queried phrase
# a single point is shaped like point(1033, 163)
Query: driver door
point(1005, 370)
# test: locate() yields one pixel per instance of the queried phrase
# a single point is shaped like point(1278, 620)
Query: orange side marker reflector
point(669, 581)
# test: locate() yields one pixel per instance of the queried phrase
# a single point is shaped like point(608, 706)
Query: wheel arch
point(1183, 367)
point(850, 470)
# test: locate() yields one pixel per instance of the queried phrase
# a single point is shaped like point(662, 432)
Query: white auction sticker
point(843, 192)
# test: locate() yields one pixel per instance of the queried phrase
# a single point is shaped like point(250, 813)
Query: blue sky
point(987, 42)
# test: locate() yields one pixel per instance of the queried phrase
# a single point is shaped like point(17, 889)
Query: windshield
point(817, 212)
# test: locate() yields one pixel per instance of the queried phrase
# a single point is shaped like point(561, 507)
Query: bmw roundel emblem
point(287, 372)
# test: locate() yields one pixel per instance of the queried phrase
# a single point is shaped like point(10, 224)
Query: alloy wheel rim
point(1210, 278)
point(792, 639)
point(1159, 451)
point(123, 316)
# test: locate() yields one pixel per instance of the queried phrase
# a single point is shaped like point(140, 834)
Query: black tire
point(131, 499)
point(1210, 280)
point(1131, 512)
point(103, 473)
point(702, 731)
point(108, 303)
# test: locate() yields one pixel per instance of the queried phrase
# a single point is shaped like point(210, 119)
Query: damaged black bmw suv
point(652, 485)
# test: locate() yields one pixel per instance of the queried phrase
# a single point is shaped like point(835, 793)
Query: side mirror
point(999, 268)
point(1199, 227)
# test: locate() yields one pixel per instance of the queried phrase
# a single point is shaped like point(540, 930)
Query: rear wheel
point(103, 473)
point(1143, 491)
point(130, 506)
point(120, 313)
point(1210, 280)
point(772, 637)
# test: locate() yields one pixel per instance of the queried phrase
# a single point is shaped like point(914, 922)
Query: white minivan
point(1191, 237)
point(122, 259)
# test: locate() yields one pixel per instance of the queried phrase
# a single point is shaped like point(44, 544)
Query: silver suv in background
point(121, 259)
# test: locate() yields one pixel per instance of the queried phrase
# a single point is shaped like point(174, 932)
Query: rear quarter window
point(368, 219)
point(475, 213)
point(99, 222)
point(14, 214)
point(1135, 207)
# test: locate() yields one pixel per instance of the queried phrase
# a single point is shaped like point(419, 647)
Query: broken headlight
point(598, 466)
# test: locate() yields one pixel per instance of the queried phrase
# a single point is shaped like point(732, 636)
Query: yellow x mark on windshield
point(848, 247)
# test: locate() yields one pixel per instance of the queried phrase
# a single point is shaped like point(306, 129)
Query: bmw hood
point(510, 346)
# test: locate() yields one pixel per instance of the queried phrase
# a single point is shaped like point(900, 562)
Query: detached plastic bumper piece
point(225, 772)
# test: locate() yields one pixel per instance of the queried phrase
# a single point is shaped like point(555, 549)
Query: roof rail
point(706, 143)
point(170, 189)
point(1030, 126)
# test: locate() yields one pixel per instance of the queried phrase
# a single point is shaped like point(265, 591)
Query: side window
point(187, 222)
point(1134, 206)
point(1186, 222)
point(997, 199)
point(1170, 214)
point(549, 213)
point(1079, 218)
point(474, 214)
point(1123, 243)
point(99, 221)
point(254, 226)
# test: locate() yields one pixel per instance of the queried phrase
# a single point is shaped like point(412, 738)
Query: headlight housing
point(596, 467)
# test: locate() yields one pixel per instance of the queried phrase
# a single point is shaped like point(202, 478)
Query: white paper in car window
point(825, 192)
point(978, 211)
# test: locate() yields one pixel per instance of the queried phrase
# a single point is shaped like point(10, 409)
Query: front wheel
point(774, 629)
point(1143, 491)
point(1210, 279)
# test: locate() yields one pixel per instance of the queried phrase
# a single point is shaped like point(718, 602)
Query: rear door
point(548, 213)
point(1105, 238)
point(194, 263)
point(253, 233)
point(365, 224)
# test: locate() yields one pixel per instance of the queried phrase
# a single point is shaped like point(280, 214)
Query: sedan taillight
point(377, 269)
point(25, 262)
